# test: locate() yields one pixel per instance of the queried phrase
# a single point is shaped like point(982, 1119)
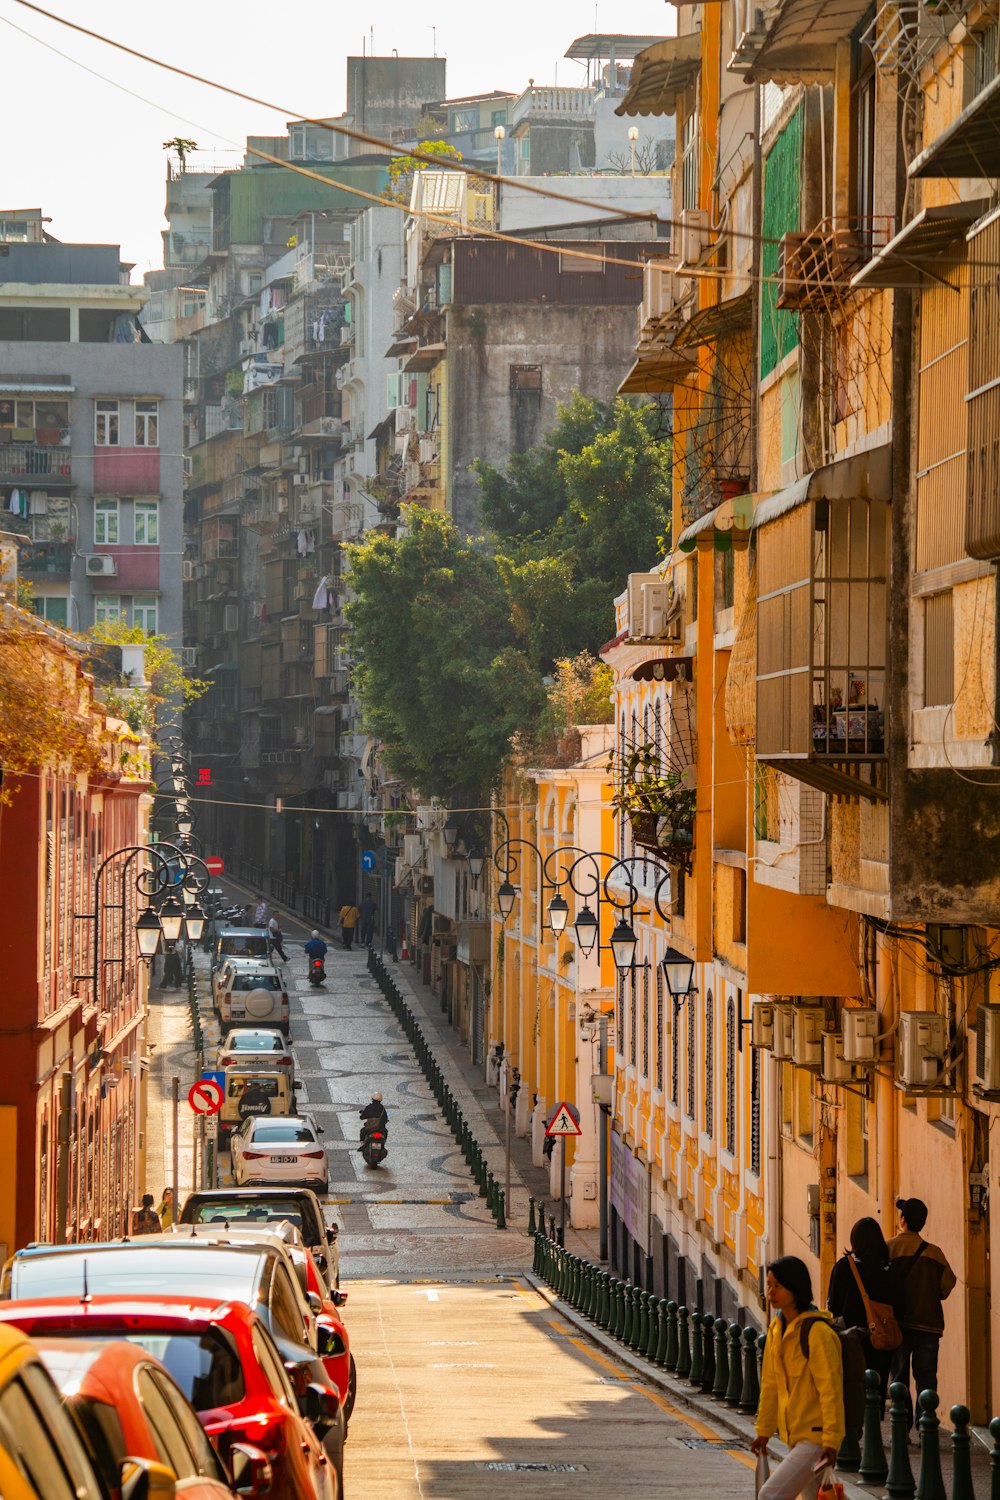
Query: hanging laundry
point(323, 597)
point(38, 503)
point(263, 614)
point(300, 544)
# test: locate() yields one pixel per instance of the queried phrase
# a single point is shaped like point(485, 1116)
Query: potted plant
point(658, 804)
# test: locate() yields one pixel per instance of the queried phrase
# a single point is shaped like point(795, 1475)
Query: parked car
point(255, 1045)
point(42, 1455)
point(240, 942)
point(273, 1092)
point(247, 991)
point(127, 1405)
point(266, 1150)
point(224, 1361)
point(259, 1205)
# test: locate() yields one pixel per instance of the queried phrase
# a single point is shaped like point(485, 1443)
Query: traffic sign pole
point(562, 1191)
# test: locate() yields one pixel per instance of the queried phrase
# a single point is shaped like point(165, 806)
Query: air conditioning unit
point(657, 604)
point(835, 1068)
point(299, 479)
point(637, 585)
point(861, 1028)
point(988, 1049)
point(224, 578)
point(427, 885)
point(694, 233)
point(189, 656)
point(762, 1025)
point(921, 1047)
point(187, 572)
point(784, 1032)
point(807, 1035)
point(299, 737)
point(100, 565)
point(802, 268)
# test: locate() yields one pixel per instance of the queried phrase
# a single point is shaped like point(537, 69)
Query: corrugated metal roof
point(661, 73)
point(863, 476)
point(731, 316)
point(800, 45)
point(656, 372)
point(970, 145)
point(909, 258)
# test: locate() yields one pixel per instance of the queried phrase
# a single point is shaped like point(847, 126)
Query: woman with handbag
point(863, 1294)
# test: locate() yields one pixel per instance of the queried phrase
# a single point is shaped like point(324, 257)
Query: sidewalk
point(172, 1055)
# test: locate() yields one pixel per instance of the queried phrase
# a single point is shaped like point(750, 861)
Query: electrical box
point(835, 1067)
point(988, 1049)
point(861, 1030)
point(921, 1047)
point(784, 1032)
point(762, 1025)
point(807, 1035)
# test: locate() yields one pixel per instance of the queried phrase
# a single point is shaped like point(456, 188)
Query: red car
point(337, 1358)
point(127, 1406)
point(226, 1364)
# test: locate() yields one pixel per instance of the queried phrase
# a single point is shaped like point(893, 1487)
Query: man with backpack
point(925, 1279)
point(802, 1385)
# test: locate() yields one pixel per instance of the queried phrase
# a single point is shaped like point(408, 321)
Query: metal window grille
point(779, 331)
point(622, 752)
point(658, 1061)
point(675, 1056)
point(620, 1017)
point(709, 1063)
point(692, 1091)
point(731, 1077)
point(658, 734)
point(755, 1144)
point(645, 1023)
point(632, 1021)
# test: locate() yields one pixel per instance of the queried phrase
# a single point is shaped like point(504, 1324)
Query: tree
point(402, 168)
point(441, 681)
point(181, 145)
point(147, 711)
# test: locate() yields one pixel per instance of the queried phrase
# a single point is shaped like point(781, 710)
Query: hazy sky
point(91, 155)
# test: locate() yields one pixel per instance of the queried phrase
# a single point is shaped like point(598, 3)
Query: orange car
point(125, 1403)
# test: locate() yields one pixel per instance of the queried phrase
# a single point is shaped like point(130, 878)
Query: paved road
point(468, 1383)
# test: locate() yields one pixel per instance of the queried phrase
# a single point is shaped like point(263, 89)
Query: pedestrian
point(173, 973)
point(367, 915)
point(276, 937)
point(925, 1279)
point(801, 1386)
point(166, 1209)
point(146, 1220)
point(260, 913)
point(348, 921)
point(866, 1265)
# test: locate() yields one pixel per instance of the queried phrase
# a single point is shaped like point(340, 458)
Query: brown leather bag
point(883, 1329)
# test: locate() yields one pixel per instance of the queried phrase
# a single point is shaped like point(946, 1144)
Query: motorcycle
point(373, 1147)
point(317, 973)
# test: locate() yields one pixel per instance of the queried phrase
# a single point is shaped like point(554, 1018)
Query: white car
point(255, 1046)
point(268, 1150)
point(252, 995)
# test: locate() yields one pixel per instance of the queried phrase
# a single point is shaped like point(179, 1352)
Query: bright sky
point(91, 156)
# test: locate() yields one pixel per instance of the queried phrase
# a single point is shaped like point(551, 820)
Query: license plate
point(284, 1160)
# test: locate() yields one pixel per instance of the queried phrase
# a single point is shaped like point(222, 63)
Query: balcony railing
point(30, 459)
point(45, 557)
point(555, 102)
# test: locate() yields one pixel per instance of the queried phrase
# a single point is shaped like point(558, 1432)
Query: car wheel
point(352, 1391)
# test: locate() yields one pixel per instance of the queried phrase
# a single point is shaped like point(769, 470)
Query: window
point(191, 304)
point(147, 424)
point(105, 523)
point(51, 607)
point(856, 1121)
point(144, 613)
point(106, 424)
point(465, 119)
point(498, 117)
point(524, 148)
point(284, 1306)
point(107, 609)
point(147, 523)
point(709, 1062)
point(632, 1019)
point(620, 1016)
point(658, 1054)
point(526, 377)
point(274, 1370)
point(41, 1440)
point(755, 1141)
point(168, 1439)
point(731, 1076)
point(690, 162)
point(692, 1091)
point(645, 1023)
point(675, 1053)
point(864, 146)
point(739, 906)
point(27, 413)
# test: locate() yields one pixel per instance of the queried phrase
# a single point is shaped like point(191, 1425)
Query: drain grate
point(512, 1468)
point(700, 1442)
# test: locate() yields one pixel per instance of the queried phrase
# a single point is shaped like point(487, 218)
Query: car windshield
point(239, 1211)
point(191, 1270)
point(243, 981)
point(237, 947)
point(266, 1133)
point(263, 1085)
point(253, 1041)
point(205, 1365)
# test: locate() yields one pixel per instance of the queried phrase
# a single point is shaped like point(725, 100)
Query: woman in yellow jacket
point(801, 1393)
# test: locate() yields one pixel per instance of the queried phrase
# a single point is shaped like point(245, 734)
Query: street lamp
point(633, 136)
point(506, 896)
point(148, 932)
point(678, 970)
point(586, 928)
point(476, 861)
point(450, 831)
point(558, 914)
point(623, 945)
point(499, 136)
point(171, 919)
point(185, 823)
point(194, 922)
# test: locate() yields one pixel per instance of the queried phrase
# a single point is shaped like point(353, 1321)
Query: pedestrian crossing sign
point(565, 1121)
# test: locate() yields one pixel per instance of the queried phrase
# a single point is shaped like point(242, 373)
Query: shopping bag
point(763, 1473)
point(830, 1487)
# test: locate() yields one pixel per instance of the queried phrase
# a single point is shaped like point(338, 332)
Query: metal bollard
point(961, 1460)
point(720, 1384)
point(708, 1356)
point(633, 1342)
point(501, 1209)
point(683, 1366)
point(874, 1467)
point(604, 1306)
point(626, 1333)
point(735, 1386)
point(652, 1326)
point(531, 1218)
point(660, 1352)
point(618, 1308)
point(671, 1353)
point(536, 1260)
point(930, 1482)
point(697, 1366)
point(750, 1394)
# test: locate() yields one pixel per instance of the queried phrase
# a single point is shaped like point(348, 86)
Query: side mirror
point(315, 1301)
point(320, 1130)
point(320, 1405)
point(252, 1473)
point(297, 1084)
point(143, 1479)
point(337, 1297)
point(329, 1340)
point(331, 1234)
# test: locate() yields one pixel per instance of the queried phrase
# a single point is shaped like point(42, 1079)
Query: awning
point(656, 372)
point(402, 345)
point(908, 259)
point(222, 666)
point(970, 145)
point(424, 358)
point(382, 427)
point(800, 45)
point(730, 522)
point(732, 316)
point(31, 387)
point(661, 73)
point(864, 476)
point(665, 669)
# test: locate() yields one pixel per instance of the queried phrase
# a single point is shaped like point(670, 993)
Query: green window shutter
point(779, 330)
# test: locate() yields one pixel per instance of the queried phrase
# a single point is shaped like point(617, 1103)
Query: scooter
point(317, 973)
point(373, 1147)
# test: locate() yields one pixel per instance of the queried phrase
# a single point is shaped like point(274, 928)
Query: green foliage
point(402, 168)
point(441, 681)
point(147, 712)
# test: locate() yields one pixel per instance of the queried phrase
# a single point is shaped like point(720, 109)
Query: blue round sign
point(368, 860)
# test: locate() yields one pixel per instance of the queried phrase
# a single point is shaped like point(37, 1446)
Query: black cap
point(914, 1211)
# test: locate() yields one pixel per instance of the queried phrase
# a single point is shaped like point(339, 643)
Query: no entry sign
point(205, 1097)
point(214, 864)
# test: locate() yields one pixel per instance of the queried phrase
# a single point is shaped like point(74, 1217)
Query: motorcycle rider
point(374, 1117)
point(316, 949)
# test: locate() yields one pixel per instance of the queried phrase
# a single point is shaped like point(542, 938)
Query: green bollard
point(750, 1394)
point(670, 1356)
point(626, 1333)
point(930, 1482)
point(590, 1291)
point(603, 1307)
point(697, 1350)
point(647, 1338)
point(660, 1352)
point(536, 1260)
point(501, 1209)
point(683, 1366)
point(708, 1358)
point(961, 1461)
point(874, 1468)
point(638, 1309)
point(614, 1306)
point(531, 1218)
point(720, 1384)
point(849, 1453)
point(735, 1386)
point(995, 1459)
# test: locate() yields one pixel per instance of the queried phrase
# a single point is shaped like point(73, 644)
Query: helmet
point(376, 1098)
point(314, 934)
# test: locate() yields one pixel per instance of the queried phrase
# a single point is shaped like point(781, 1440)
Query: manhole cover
point(699, 1442)
point(502, 1468)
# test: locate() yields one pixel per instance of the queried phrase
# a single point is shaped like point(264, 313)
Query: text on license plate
point(284, 1159)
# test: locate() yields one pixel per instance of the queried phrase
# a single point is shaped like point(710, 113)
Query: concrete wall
point(522, 209)
point(388, 94)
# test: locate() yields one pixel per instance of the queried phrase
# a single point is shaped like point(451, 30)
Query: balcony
point(50, 560)
point(539, 104)
point(793, 41)
point(28, 461)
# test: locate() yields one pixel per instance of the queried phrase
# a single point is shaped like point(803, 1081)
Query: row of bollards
point(723, 1361)
point(194, 1007)
point(489, 1187)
